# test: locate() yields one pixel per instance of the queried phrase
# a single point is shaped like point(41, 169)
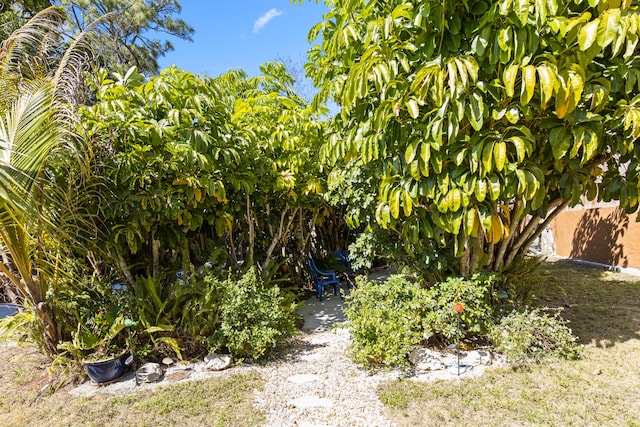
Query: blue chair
point(345, 262)
point(323, 278)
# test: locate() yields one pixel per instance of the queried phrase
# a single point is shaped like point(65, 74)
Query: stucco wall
point(606, 235)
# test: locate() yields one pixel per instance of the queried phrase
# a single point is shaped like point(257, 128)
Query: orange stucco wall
point(606, 235)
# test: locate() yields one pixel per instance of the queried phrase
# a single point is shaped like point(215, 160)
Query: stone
point(168, 361)
point(303, 378)
point(424, 359)
point(478, 357)
point(217, 362)
point(177, 376)
point(311, 402)
point(149, 373)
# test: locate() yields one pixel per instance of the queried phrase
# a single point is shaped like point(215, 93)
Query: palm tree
point(37, 98)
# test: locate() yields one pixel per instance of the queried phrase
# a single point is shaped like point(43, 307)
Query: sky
point(242, 34)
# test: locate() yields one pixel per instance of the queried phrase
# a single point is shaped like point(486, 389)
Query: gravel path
point(315, 384)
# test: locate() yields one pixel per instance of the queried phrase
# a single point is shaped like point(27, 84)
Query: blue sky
point(242, 34)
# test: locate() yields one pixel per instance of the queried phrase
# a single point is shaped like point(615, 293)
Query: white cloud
point(264, 19)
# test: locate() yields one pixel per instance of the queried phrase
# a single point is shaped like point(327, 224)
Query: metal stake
point(458, 345)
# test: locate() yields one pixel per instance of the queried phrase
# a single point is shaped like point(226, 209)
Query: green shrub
point(533, 335)
point(476, 297)
point(384, 319)
point(387, 319)
point(253, 318)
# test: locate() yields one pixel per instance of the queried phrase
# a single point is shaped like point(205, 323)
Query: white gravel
point(316, 384)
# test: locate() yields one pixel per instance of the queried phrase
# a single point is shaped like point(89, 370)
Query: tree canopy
point(482, 119)
point(128, 33)
point(124, 34)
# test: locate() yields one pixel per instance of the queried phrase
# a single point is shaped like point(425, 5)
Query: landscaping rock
point(424, 359)
point(217, 362)
point(478, 357)
point(311, 402)
point(168, 361)
point(149, 373)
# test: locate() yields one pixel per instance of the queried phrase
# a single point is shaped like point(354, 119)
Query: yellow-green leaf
point(481, 190)
point(499, 155)
point(509, 79)
point(407, 203)
point(413, 108)
point(546, 77)
point(528, 84)
point(487, 154)
point(455, 199)
point(411, 151)
point(494, 187)
point(394, 204)
point(587, 34)
point(519, 145)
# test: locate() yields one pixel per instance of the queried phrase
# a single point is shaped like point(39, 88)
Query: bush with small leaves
point(387, 319)
point(475, 295)
point(533, 335)
point(253, 317)
point(384, 319)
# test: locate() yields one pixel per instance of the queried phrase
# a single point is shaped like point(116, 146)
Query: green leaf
point(588, 34)
point(413, 108)
point(608, 28)
point(533, 185)
point(487, 155)
point(560, 142)
point(407, 203)
point(477, 111)
point(509, 79)
point(425, 152)
point(455, 197)
point(494, 186)
point(519, 145)
point(513, 115)
point(546, 77)
point(383, 215)
point(481, 190)
point(528, 84)
point(499, 155)
point(394, 203)
point(411, 151)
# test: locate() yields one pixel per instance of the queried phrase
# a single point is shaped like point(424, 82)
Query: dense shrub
point(533, 335)
point(253, 317)
point(384, 319)
point(475, 295)
point(387, 319)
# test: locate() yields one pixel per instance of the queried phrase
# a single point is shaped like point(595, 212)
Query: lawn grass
point(218, 401)
point(601, 389)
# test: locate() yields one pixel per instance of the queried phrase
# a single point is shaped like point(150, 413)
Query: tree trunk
point(124, 268)
point(252, 234)
point(282, 231)
point(50, 331)
point(155, 253)
point(533, 230)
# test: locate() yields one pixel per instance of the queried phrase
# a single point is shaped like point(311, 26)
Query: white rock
point(425, 359)
point(167, 361)
point(312, 402)
point(217, 362)
point(478, 357)
point(303, 378)
point(149, 373)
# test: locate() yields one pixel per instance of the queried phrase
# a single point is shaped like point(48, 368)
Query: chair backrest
point(313, 268)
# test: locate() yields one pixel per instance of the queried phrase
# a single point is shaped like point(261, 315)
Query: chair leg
point(319, 291)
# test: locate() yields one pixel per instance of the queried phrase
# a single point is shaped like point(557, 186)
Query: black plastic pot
point(106, 371)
